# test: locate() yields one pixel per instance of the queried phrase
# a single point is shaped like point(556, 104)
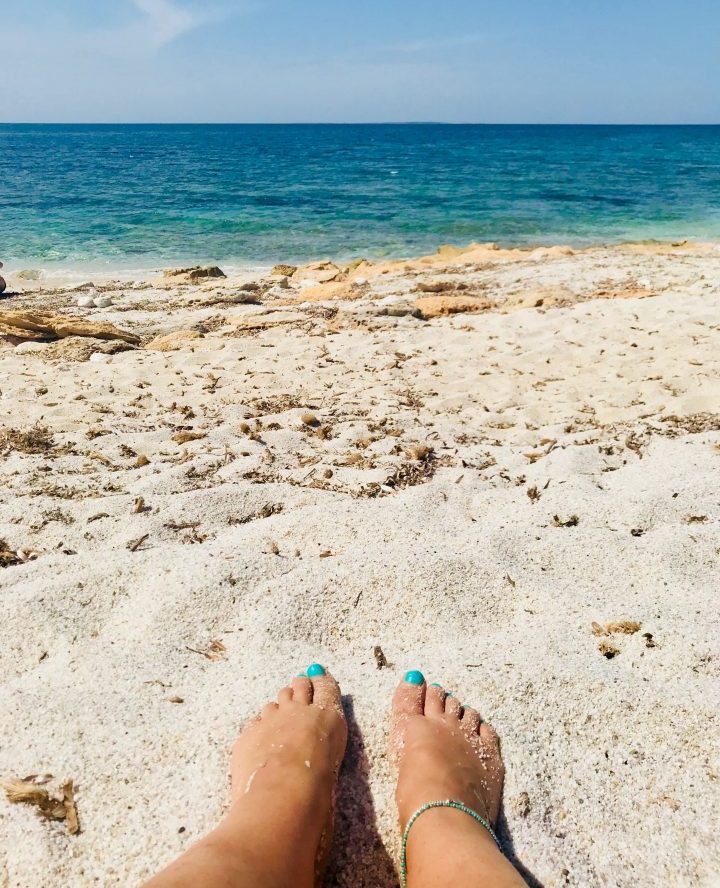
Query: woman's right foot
point(445, 751)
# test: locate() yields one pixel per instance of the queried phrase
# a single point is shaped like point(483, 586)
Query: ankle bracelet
point(448, 803)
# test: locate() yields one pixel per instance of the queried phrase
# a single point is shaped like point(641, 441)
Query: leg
point(444, 752)
point(284, 774)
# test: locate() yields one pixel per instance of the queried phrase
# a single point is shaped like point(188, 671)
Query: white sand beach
point(457, 464)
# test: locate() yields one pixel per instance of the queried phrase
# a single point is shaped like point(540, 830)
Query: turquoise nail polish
point(301, 675)
point(413, 677)
point(435, 685)
point(315, 670)
point(449, 694)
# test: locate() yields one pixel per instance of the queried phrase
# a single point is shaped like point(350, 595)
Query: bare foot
point(445, 751)
point(289, 758)
point(284, 771)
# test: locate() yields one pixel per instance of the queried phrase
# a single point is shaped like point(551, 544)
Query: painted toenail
point(301, 675)
point(315, 670)
point(435, 685)
point(449, 694)
point(413, 677)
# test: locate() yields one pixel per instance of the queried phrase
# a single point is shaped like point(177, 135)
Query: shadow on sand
point(359, 858)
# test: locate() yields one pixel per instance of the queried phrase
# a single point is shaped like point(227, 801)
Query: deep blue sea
point(144, 195)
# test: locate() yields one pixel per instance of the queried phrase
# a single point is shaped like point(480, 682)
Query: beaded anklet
point(449, 803)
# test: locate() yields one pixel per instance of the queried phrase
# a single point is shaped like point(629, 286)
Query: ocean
point(140, 196)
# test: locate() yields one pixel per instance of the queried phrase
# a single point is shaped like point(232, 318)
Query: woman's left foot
point(284, 772)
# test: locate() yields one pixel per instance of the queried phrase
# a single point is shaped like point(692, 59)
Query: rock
point(435, 286)
point(332, 290)
point(250, 287)
point(103, 301)
point(28, 348)
point(243, 297)
point(439, 306)
point(29, 274)
point(319, 272)
point(3, 285)
point(194, 274)
point(276, 293)
point(99, 358)
point(399, 311)
point(86, 302)
point(45, 326)
point(16, 335)
point(284, 270)
point(174, 341)
point(79, 349)
point(551, 252)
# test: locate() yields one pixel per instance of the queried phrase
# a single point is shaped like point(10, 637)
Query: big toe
point(325, 690)
point(409, 698)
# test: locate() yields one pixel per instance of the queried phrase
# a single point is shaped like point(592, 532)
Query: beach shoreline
point(499, 466)
point(56, 273)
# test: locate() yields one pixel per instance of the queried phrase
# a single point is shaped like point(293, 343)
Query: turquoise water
point(144, 195)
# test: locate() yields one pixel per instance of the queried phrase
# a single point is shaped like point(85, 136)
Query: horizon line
point(333, 123)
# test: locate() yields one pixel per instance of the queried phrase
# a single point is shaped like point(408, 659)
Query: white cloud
point(165, 21)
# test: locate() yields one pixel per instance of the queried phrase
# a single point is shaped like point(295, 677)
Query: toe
point(325, 690)
point(285, 696)
point(268, 710)
point(452, 707)
point(302, 690)
point(435, 701)
point(489, 737)
point(409, 696)
point(470, 721)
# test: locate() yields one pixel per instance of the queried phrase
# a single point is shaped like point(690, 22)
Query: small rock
point(103, 301)
point(174, 341)
point(86, 302)
point(28, 347)
point(437, 306)
point(284, 270)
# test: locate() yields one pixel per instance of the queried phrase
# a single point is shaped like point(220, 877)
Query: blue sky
point(515, 61)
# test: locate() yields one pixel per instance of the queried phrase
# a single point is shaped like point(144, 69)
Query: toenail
point(449, 694)
point(414, 677)
point(435, 685)
point(315, 670)
point(301, 675)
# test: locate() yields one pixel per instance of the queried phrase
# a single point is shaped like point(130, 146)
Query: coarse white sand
point(574, 477)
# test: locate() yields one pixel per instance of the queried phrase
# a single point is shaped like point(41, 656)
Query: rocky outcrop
point(194, 274)
point(320, 272)
point(35, 326)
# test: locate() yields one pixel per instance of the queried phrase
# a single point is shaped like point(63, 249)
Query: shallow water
point(141, 195)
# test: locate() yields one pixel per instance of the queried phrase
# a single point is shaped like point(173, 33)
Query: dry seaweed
point(267, 511)
point(37, 440)
point(27, 791)
point(572, 521)
point(216, 650)
point(621, 627)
